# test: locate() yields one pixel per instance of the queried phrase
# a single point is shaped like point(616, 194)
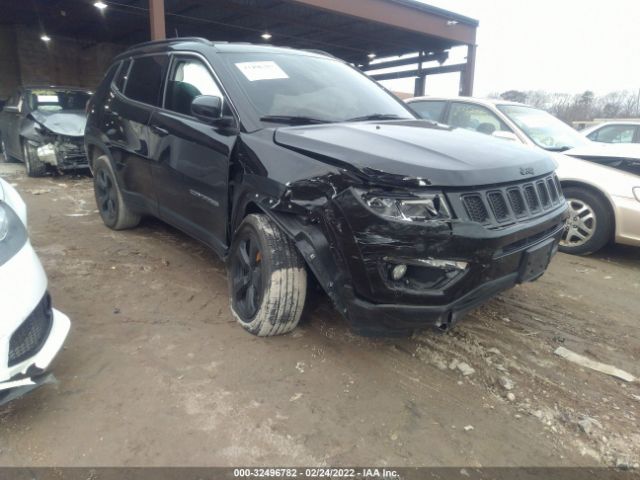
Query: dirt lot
point(156, 372)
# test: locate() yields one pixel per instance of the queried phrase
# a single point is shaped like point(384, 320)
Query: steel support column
point(467, 75)
point(156, 19)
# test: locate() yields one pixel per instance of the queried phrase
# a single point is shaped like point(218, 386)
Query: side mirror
point(505, 135)
point(207, 108)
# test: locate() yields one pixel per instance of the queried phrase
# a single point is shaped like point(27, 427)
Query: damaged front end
point(398, 253)
point(56, 139)
point(62, 153)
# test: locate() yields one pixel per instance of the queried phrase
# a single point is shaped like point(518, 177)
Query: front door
point(191, 157)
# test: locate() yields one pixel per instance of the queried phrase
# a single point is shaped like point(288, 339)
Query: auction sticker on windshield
point(261, 70)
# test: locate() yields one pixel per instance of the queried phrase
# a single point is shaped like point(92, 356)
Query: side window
point(189, 79)
point(429, 110)
point(121, 77)
point(614, 134)
point(475, 117)
point(145, 79)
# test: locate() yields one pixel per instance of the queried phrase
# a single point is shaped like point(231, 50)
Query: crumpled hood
point(415, 149)
point(70, 123)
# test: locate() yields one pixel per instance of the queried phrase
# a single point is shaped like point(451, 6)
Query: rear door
point(191, 157)
point(136, 91)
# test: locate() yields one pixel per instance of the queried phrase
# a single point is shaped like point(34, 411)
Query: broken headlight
point(421, 207)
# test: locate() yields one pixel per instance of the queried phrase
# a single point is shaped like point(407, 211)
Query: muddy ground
point(156, 371)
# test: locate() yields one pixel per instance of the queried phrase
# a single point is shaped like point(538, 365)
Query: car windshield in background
point(543, 128)
point(47, 100)
point(301, 89)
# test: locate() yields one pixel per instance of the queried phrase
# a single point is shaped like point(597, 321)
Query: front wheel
point(34, 166)
point(111, 205)
point(590, 223)
point(267, 278)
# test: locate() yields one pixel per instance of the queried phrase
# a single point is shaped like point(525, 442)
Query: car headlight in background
point(4, 224)
point(636, 193)
point(422, 207)
point(13, 233)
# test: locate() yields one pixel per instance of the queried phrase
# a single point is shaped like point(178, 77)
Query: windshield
point(57, 100)
point(318, 89)
point(543, 128)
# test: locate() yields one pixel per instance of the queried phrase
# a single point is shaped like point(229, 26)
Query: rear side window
point(145, 79)
point(429, 110)
point(121, 78)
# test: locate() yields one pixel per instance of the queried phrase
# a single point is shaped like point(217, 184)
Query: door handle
point(159, 131)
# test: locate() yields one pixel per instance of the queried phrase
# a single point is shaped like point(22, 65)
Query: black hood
point(69, 123)
point(419, 150)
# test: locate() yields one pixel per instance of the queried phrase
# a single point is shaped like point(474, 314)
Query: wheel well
point(596, 192)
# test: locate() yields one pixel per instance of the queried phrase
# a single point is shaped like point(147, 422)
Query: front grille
point(475, 208)
point(517, 202)
point(498, 206)
point(511, 203)
point(532, 198)
point(544, 195)
point(31, 335)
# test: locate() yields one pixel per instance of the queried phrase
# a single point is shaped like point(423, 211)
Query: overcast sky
point(554, 45)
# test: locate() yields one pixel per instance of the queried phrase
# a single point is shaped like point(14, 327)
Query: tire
point(111, 205)
point(267, 278)
point(590, 224)
point(34, 166)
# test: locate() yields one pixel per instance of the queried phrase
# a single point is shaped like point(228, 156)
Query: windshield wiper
point(377, 116)
point(293, 119)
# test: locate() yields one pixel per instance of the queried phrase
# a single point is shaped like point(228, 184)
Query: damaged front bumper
point(395, 277)
point(63, 154)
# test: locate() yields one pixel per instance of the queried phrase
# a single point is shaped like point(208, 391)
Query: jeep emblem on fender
point(526, 171)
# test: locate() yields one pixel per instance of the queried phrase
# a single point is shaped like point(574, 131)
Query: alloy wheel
point(581, 225)
point(246, 272)
point(106, 194)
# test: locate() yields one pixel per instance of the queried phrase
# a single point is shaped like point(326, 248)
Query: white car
point(600, 181)
point(627, 131)
point(31, 331)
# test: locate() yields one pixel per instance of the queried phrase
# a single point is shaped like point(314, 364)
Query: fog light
point(398, 272)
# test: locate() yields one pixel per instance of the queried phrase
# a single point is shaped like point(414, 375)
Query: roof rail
point(169, 40)
point(319, 52)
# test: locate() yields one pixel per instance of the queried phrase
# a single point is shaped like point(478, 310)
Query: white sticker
point(261, 70)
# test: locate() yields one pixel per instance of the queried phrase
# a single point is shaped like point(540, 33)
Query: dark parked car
point(44, 128)
point(292, 163)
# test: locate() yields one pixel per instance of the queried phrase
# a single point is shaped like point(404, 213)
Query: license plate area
point(536, 260)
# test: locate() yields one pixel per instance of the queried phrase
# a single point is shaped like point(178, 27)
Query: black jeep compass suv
point(293, 163)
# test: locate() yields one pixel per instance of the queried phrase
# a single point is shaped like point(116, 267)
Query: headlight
point(4, 224)
point(13, 234)
point(636, 193)
point(419, 208)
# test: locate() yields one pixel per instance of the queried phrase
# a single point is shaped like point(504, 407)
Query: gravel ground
point(156, 372)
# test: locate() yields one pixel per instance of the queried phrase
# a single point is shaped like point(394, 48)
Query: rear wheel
point(111, 205)
point(34, 166)
point(267, 278)
point(590, 223)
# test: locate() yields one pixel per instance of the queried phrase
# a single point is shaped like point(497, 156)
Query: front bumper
point(31, 333)
point(495, 259)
